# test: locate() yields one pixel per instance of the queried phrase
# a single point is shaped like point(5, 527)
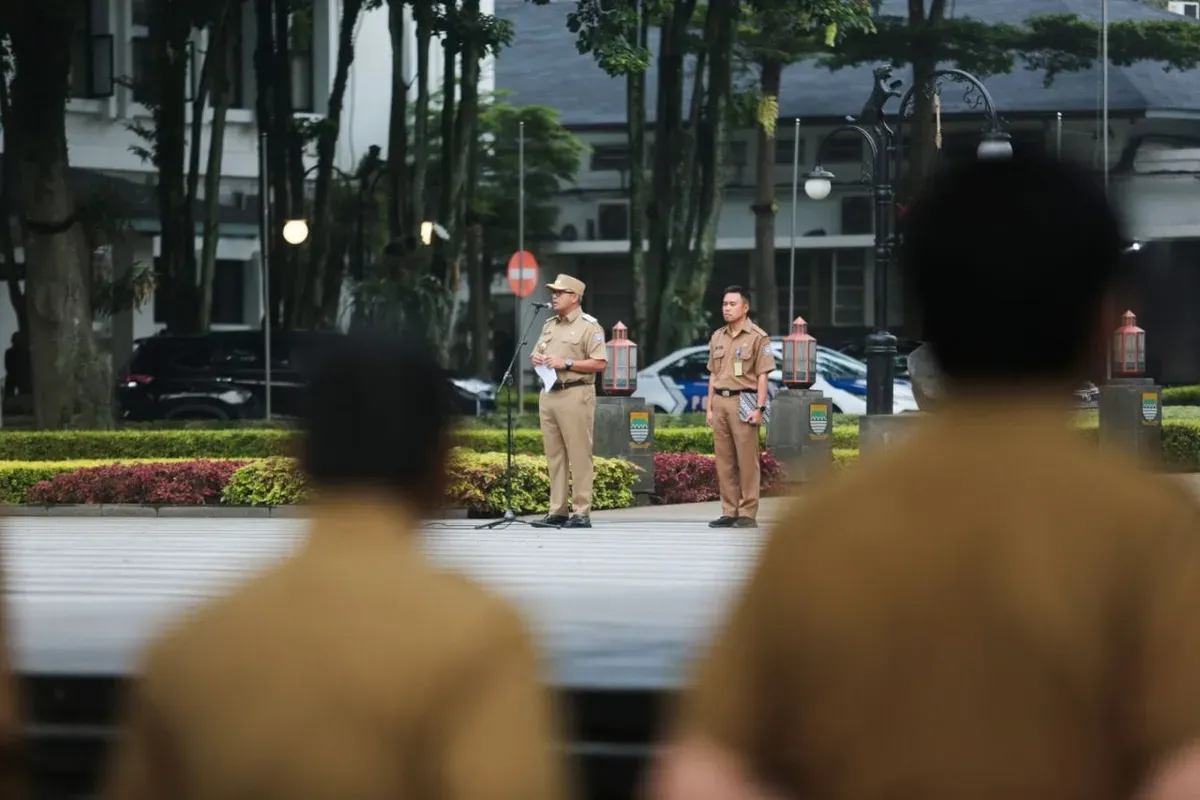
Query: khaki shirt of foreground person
point(989, 611)
point(13, 778)
point(355, 669)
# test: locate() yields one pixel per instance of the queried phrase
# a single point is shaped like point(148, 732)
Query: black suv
point(222, 376)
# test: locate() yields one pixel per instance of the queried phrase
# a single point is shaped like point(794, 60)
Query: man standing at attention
point(739, 361)
point(989, 609)
point(572, 344)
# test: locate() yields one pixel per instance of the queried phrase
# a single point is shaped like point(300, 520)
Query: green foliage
point(790, 30)
point(553, 155)
point(610, 32)
point(269, 482)
point(477, 483)
point(156, 444)
point(1051, 43)
point(1181, 396)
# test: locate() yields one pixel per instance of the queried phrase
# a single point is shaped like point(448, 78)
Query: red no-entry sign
point(522, 273)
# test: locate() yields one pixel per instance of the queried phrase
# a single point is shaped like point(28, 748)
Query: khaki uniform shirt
point(990, 611)
point(735, 360)
point(13, 777)
point(577, 336)
point(354, 670)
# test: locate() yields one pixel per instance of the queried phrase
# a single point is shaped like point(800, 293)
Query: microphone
point(540, 305)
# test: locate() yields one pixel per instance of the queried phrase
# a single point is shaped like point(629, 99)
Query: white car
point(678, 384)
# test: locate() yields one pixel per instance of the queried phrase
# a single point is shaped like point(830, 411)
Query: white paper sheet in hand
point(548, 376)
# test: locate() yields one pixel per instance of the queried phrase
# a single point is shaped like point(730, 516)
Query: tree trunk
point(8, 207)
point(423, 14)
point(766, 301)
point(216, 67)
point(397, 153)
point(313, 290)
point(265, 86)
point(668, 144)
point(283, 261)
point(451, 44)
point(70, 383)
point(645, 279)
point(170, 31)
point(922, 149)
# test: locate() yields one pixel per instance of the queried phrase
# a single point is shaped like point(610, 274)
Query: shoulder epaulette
point(758, 330)
point(589, 317)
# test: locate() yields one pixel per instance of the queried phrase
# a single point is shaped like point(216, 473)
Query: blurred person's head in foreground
point(1012, 264)
point(379, 417)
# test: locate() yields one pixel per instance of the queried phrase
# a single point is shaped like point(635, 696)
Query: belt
point(558, 386)
point(732, 392)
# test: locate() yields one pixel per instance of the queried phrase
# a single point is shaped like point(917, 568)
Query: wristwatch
point(569, 363)
point(762, 409)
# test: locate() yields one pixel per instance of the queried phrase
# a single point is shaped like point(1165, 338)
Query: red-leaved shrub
point(692, 477)
point(186, 483)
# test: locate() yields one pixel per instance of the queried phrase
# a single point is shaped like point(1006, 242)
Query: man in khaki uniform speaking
point(989, 609)
point(356, 668)
point(572, 344)
point(739, 361)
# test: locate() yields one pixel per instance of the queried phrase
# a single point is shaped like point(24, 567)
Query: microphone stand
point(509, 515)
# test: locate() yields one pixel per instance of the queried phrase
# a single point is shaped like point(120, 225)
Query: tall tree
point(688, 172)
point(70, 382)
point(312, 302)
point(777, 33)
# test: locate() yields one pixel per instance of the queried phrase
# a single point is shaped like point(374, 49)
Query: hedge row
point(1181, 443)
point(225, 444)
point(477, 485)
point(1181, 396)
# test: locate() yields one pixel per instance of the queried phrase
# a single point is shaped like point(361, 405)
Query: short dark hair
point(1010, 263)
point(378, 415)
point(743, 291)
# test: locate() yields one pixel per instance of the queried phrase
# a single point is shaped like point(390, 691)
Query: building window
point(235, 69)
point(610, 158)
point(229, 293)
point(800, 292)
point(612, 221)
point(140, 53)
point(845, 148)
point(858, 215)
point(91, 51)
point(849, 280)
point(785, 149)
point(300, 50)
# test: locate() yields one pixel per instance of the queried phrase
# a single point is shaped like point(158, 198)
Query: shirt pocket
point(718, 355)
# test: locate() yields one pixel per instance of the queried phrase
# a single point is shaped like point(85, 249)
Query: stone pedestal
point(624, 428)
point(1131, 418)
point(800, 434)
point(880, 431)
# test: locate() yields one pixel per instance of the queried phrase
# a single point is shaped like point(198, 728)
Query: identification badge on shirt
point(737, 369)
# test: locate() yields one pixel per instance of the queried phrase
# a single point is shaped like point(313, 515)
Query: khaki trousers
point(735, 447)
point(566, 419)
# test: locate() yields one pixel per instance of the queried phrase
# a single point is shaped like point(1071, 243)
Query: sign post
point(523, 280)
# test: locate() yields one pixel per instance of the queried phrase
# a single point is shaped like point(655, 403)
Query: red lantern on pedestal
point(799, 357)
point(620, 373)
point(1129, 348)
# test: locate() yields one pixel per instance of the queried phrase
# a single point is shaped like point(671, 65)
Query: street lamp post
point(882, 141)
